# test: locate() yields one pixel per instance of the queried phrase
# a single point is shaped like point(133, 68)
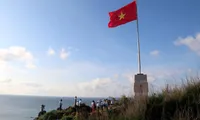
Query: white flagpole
point(138, 42)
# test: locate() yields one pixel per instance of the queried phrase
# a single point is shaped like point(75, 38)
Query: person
point(93, 104)
point(75, 101)
point(42, 112)
point(80, 102)
point(101, 104)
point(42, 107)
point(97, 105)
point(108, 102)
point(60, 104)
point(105, 103)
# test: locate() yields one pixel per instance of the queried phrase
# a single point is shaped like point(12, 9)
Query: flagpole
point(138, 42)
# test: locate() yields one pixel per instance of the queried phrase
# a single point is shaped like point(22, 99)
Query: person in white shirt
point(111, 102)
point(97, 104)
point(77, 103)
point(102, 103)
point(93, 105)
point(80, 102)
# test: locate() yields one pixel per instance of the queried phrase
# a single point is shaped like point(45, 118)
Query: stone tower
point(141, 86)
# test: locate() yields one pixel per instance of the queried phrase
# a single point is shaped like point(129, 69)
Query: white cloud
point(99, 87)
point(130, 77)
point(75, 79)
point(17, 88)
point(51, 51)
point(2, 64)
point(103, 87)
point(159, 76)
point(16, 54)
point(30, 65)
point(116, 85)
point(155, 53)
point(6, 81)
point(33, 84)
point(64, 54)
point(193, 43)
point(95, 84)
point(116, 76)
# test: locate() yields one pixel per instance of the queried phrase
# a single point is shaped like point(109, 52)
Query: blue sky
point(65, 47)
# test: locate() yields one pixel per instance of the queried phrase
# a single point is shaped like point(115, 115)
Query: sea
point(28, 107)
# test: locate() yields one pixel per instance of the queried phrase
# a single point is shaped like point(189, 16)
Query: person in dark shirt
point(60, 104)
point(42, 112)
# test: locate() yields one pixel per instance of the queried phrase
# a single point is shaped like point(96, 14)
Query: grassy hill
point(179, 103)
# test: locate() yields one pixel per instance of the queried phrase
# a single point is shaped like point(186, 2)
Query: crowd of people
point(101, 104)
point(98, 105)
point(95, 105)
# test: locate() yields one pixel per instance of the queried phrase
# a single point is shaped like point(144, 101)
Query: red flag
point(123, 15)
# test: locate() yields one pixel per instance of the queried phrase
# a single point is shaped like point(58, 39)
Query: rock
point(41, 113)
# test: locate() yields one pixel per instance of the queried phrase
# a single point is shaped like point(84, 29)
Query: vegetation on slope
point(181, 103)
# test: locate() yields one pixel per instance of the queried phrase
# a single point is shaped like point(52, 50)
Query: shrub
point(54, 114)
point(67, 118)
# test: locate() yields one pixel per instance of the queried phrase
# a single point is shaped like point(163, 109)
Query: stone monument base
point(141, 86)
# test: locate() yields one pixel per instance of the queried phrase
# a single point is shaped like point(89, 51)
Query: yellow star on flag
point(121, 16)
